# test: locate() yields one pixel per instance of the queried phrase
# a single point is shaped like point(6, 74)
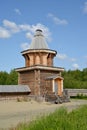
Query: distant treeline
point(8, 78)
point(72, 78)
point(75, 78)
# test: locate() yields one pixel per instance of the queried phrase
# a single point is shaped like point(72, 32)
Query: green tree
point(12, 78)
point(75, 78)
point(3, 77)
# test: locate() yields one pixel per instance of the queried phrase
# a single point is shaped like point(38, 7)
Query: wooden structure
point(39, 71)
point(14, 90)
point(76, 92)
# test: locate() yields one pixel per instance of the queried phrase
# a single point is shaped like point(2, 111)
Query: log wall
point(36, 79)
point(27, 78)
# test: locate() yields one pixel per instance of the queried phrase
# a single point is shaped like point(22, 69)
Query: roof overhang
point(40, 67)
point(39, 50)
point(54, 77)
point(14, 89)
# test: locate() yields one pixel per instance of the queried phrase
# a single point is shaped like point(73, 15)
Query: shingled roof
point(38, 41)
point(14, 88)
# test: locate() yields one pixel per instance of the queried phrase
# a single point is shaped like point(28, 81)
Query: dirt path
point(13, 112)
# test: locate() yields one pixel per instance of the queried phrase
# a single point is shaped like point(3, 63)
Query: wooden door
point(56, 87)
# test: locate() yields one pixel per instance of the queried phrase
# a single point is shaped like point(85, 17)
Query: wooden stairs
point(54, 98)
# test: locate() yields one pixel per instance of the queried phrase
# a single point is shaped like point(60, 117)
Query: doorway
point(56, 87)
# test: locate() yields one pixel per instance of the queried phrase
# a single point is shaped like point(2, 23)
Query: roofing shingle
point(53, 77)
point(14, 88)
point(38, 41)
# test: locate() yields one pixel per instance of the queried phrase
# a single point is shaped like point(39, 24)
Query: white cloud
point(45, 30)
point(11, 25)
point(75, 66)
point(17, 11)
point(12, 28)
point(85, 8)
point(72, 59)
point(61, 56)
point(4, 33)
point(25, 46)
point(29, 35)
point(57, 20)
point(25, 27)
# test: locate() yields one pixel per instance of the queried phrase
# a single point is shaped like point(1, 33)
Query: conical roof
point(38, 41)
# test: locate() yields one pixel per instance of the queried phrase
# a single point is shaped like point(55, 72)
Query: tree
point(3, 77)
point(75, 79)
point(12, 78)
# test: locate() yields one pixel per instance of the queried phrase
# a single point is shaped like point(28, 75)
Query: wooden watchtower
point(39, 72)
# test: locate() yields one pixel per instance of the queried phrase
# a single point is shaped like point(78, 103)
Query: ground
point(13, 112)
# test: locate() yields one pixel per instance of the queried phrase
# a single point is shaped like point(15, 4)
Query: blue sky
point(64, 24)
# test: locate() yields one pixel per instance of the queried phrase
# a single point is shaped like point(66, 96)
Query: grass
point(59, 120)
point(23, 99)
point(80, 96)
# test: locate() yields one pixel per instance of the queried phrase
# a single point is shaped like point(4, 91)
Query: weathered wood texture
point(46, 86)
point(27, 78)
point(39, 58)
point(36, 80)
point(75, 92)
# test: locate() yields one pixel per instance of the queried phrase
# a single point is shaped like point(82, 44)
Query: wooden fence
point(75, 92)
